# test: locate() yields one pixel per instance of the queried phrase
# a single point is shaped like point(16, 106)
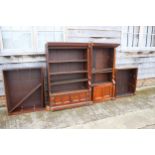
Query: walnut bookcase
point(103, 71)
point(68, 74)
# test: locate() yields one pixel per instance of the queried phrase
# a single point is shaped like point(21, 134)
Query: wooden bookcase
point(103, 71)
point(24, 89)
point(126, 80)
point(68, 74)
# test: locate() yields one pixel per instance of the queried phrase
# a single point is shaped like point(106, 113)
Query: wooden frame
point(24, 90)
point(126, 80)
point(68, 74)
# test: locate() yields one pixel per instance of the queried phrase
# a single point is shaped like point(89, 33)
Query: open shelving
point(103, 71)
point(68, 71)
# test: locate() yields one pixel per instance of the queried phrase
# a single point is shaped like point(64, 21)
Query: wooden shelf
point(70, 72)
point(100, 83)
point(69, 92)
point(68, 81)
point(68, 61)
point(107, 70)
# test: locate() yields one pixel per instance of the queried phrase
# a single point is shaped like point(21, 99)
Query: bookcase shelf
point(106, 70)
point(68, 61)
point(68, 82)
point(71, 72)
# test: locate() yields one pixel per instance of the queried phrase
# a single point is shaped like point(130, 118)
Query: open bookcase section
point(69, 87)
point(68, 71)
point(67, 55)
point(126, 81)
point(67, 67)
point(102, 58)
point(101, 78)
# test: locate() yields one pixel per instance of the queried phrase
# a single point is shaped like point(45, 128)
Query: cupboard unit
point(68, 74)
point(103, 71)
point(126, 80)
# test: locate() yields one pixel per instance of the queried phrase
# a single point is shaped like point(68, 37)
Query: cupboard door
point(103, 92)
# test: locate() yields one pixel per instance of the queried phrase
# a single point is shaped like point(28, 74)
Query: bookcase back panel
point(68, 77)
point(99, 78)
point(67, 54)
point(67, 67)
point(102, 58)
point(69, 87)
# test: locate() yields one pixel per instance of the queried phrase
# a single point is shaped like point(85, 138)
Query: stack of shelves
point(103, 71)
point(68, 74)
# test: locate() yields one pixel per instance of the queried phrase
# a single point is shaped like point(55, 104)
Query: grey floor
point(129, 112)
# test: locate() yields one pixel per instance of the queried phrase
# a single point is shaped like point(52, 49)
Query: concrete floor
point(129, 112)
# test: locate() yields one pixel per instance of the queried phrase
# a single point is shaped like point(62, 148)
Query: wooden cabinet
point(68, 74)
point(126, 79)
point(103, 71)
point(102, 92)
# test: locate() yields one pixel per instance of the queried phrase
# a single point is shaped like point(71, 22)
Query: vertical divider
point(89, 68)
point(48, 71)
point(114, 73)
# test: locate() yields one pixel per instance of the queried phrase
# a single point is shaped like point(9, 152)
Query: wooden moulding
point(24, 90)
point(126, 81)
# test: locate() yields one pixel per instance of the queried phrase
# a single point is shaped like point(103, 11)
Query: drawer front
point(69, 98)
point(103, 92)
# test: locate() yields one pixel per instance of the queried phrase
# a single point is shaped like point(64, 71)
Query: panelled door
point(103, 92)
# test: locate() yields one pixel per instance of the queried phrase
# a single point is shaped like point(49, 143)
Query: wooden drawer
point(69, 98)
point(103, 92)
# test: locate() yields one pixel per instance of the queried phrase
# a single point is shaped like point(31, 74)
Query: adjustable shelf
point(107, 70)
point(69, 72)
point(68, 82)
point(99, 83)
point(68, 61)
